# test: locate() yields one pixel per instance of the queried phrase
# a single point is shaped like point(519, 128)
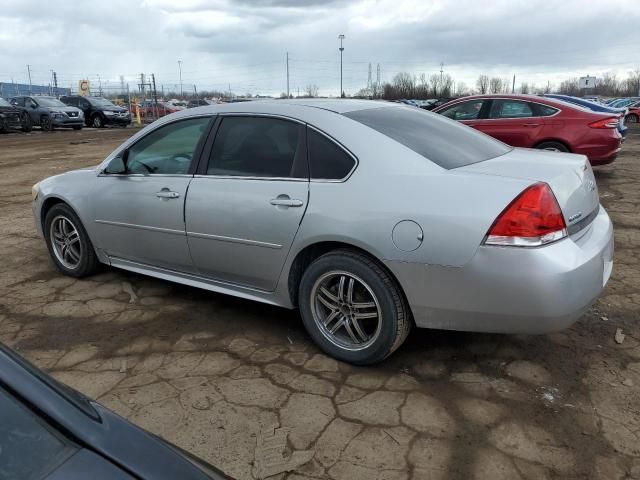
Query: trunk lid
point(570, 177)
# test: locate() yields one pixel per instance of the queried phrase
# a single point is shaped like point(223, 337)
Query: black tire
point(27, 123)
point(631, 118)
point(393, 323)
point(77, 127)
point(46, 124)
point(554, 146)
point(88, 262)
point(97, 121)
point(4, 127)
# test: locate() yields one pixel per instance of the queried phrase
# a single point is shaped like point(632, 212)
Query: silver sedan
point(368, 217)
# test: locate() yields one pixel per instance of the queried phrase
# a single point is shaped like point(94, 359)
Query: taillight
point(605, 123)
point(532, 219)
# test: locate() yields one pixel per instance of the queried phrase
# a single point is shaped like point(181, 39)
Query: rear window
point(445, 142)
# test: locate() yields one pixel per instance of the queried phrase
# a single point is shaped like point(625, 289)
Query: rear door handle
point(531, 124)
point(285, 201)
point(167, 194)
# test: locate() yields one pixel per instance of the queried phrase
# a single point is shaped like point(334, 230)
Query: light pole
point(341, 37)
point(180, 72)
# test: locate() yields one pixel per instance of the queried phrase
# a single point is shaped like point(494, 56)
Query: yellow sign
point(83, 87)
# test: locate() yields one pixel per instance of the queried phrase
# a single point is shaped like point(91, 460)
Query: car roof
point(285, 107)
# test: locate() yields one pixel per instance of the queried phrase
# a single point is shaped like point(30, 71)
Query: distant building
point(14, 89)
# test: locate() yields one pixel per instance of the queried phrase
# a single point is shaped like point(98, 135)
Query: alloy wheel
point(346, 310)
point(65, 241)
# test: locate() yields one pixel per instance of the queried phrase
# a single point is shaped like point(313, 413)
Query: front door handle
point(285, 201)
point(167, 194)
point(531, 124)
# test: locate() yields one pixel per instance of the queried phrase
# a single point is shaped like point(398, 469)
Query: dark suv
point(10, 117)
point(49, 112)
point(99, 111)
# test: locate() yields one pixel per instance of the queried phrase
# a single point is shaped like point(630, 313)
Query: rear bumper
point(602, 150)
point(513, 290)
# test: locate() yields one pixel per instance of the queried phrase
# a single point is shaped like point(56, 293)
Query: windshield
point(49, 102)
point(4, 103)
point(100, 102)
point(445, 142)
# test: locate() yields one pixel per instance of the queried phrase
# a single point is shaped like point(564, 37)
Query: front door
point(139, 214)
point(244, 211)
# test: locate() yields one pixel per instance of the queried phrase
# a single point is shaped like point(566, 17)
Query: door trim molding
point(142, 227)
point(243, 241)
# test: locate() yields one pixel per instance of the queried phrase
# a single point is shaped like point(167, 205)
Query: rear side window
point(258, 147)
point(510, 109)
point(543, 110)
point(444, 142)
point(327, 160)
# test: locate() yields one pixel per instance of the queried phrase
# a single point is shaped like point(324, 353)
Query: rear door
point(513, 122)
point(244, 208)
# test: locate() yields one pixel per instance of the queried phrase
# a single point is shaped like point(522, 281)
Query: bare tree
point(311, 91)
point(461, 88)
point(483, 84)
point(524, 88)
point(495, 85)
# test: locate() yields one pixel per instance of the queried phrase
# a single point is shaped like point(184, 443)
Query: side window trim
point(203, 165)
point(356, 162)
point(197, 153)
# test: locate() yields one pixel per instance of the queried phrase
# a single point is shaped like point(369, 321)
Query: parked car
point(149, 108)
point(200, 103)
point(623, 102)
point(364, 215)
point(99, 111)
point(595, 107)
point(538, 122)
point(49, 112)
point(10, 117)
point(49, 431)
point(633, 113)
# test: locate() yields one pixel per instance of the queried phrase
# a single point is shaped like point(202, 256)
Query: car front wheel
point(98, 122)
point(352, 308)
point(552, 146)
point(68, 242)
point(45, 123)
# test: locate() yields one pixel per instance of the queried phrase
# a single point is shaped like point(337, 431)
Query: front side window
point(326, 159)
point(167, 150)
point(463, 111)
point(258, 147)
point(510, 109)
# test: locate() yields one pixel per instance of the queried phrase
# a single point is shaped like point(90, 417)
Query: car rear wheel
point(45, 123)
point(632, 118)
point(68, 242)
point(97, 122)
point(352, 308)
point(552, 146)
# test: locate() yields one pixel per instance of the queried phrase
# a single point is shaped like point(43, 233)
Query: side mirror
point(118, 165)
point(34, 105)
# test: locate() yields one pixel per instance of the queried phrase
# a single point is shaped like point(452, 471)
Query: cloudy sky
point(243, 43)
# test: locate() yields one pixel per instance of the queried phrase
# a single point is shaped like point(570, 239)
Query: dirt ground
point(241, 385)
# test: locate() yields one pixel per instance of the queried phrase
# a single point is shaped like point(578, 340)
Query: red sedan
point(633, 116)
point(537, 122)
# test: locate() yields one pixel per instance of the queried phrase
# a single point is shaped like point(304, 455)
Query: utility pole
point(29, 73)
point(99, 85)
point(195, 92)
point(341, 37)
point(513, 85)
point(180, 72)
point(287, 75)
point(155, 93)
